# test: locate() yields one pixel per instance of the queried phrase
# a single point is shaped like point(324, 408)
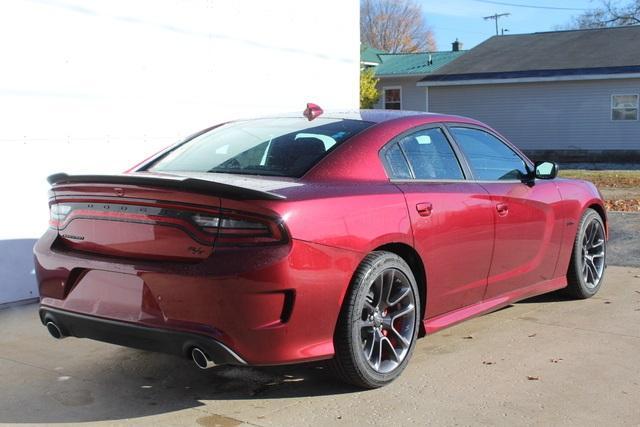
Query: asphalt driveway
point(624, 239)
point(544, 361)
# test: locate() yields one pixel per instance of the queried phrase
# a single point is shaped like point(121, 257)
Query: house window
point(392, 98)
point(624, 107)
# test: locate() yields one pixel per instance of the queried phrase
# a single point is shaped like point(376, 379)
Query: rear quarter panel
point(354, 216)
point(345, 220)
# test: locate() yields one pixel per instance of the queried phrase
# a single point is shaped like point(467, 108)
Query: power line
point(496, 17)
point(530, 6)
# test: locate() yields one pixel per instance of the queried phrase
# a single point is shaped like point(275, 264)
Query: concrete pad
point(545, 361)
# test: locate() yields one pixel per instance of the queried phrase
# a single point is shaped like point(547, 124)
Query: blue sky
point(462, 19)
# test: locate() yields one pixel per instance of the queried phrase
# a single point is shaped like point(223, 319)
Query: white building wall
point(96, 86)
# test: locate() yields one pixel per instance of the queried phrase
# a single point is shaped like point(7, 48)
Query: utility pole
point(496, 17)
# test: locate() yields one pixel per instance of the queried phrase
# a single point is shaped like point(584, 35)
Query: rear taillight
point(226, 228)
point(207, 222)
point(242, 229)
point(57, 213)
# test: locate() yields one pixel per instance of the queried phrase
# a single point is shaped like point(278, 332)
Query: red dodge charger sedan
point(321, 236)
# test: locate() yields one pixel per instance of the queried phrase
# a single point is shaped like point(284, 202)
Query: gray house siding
point(538, 117)
point(413, 97)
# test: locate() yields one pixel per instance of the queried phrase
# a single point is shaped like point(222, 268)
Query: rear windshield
point(280, 147)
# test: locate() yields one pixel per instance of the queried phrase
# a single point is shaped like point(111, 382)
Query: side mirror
point(546, 170)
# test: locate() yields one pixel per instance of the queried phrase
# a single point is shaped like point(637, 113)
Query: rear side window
point(280, 147)
point(397, 166)
point(430, 155)
point(489, 158)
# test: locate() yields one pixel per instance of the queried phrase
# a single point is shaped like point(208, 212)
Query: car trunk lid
point(142, 215)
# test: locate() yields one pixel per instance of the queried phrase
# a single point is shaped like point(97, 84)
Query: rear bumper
point(269, 305)
point(137, 336)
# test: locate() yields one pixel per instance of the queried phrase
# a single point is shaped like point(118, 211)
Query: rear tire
point(379, 322)
point(588, 260)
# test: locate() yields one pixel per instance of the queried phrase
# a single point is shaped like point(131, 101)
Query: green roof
point(369, 54)
point(402, 64)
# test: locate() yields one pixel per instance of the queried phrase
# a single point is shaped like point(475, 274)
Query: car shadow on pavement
point(78, 380)
point(123, 383)
point(555, 297)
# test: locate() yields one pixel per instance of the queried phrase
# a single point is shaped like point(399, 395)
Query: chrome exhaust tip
point(54, 330)
point(201, 359)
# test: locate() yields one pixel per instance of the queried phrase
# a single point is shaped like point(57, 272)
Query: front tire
point(378, 325)
point(588, 259)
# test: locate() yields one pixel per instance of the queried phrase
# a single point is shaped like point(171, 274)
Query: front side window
point(489, 158)
point(624, 107)
point(430, 155)
point(280, 147)
point(392, 98)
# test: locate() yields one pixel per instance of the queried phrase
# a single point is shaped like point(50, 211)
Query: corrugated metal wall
point(546, 116)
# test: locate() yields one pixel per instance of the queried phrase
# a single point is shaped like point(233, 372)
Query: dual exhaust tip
point(199, 357)
point(55, 331)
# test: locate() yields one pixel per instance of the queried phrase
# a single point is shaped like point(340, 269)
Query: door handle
point(424, 208)
point(502, 209)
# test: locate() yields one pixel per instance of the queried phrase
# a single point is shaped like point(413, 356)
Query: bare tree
point(609, 15)
point(395, 26)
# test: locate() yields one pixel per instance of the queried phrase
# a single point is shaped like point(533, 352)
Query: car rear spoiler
point(174, 182)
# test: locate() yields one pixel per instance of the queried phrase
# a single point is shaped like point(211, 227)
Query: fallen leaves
point(532, 335)
point(558, 360)
point(468, 337)
point(624, 205)
point(532, 378)
point(624, 186)
point(611, 179)
point(486, 362)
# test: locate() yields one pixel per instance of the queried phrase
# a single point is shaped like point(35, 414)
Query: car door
point(528, 231)
point(451, 217)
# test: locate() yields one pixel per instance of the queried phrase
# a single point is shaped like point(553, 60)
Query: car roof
point(375, 116)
